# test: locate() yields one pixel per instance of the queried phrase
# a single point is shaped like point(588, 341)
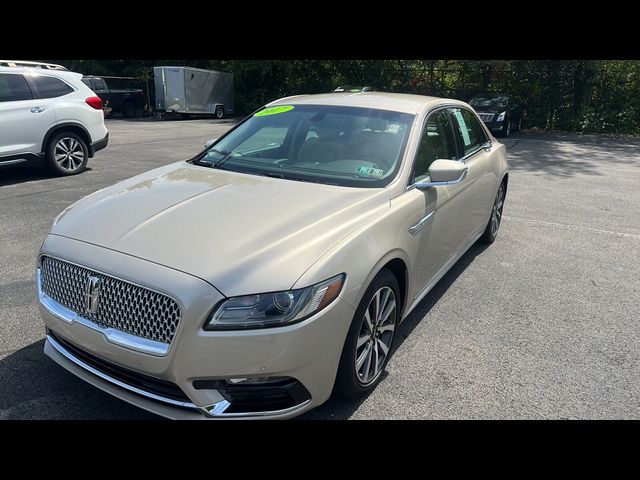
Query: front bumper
point(308, 352)
point(494, 126)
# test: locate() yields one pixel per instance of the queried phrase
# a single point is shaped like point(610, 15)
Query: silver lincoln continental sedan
point(275, 267)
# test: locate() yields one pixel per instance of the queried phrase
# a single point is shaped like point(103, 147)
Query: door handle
point(37, 110)
point(419, 226)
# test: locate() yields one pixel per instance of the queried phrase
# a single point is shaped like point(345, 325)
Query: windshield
point(346, 146)
point(495, 102)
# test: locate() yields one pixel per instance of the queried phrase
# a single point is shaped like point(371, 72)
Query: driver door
point(443, 223)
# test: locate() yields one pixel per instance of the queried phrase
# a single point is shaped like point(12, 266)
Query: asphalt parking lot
point(542, 324)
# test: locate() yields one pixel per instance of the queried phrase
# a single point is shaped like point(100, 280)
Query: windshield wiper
point(287, 177)
point(227, 156)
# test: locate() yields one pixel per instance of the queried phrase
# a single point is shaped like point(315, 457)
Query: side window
point(471, 132)
point(50, 87)
point(100, 84)
point(14, 87)
point(87, 82)
point(437, 143)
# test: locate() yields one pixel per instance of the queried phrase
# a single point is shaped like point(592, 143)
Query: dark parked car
point(499, 112)
point(129, 101)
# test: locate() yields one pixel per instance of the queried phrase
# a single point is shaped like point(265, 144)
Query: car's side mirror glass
point(210, 142)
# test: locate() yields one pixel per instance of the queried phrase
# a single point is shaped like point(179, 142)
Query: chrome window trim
point(72, 358)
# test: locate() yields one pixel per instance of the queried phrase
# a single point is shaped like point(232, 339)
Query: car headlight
point(501, 117)
point(274, 309)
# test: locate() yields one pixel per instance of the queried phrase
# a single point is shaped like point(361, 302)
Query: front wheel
point(368, 345)
point(491, 232)
point(219, 113)
point(506, 128)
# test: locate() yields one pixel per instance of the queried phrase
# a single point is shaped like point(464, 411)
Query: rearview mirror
point(210, 142)
point(444, 172)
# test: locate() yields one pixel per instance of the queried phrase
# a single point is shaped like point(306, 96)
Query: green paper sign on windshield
point(274, 110)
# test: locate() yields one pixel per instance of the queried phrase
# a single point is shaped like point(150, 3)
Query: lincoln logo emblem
point(92, 294)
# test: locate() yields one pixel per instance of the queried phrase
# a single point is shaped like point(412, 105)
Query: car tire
point(129, 109)
point(219, 112)
point(66, 154)
point(506, 128)
point(361, 368)
point(495, 219)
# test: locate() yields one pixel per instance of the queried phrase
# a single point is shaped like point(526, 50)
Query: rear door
point(24, 118)
point(481, 180)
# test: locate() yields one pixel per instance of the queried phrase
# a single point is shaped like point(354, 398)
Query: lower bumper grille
point(140, 381)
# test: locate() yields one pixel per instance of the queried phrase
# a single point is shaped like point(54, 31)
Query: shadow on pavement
point(35, 387)
point(340, 409)
point(565, 156)
point(10, 176)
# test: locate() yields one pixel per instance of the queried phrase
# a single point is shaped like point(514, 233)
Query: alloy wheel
point(496, 214)
point(69, 154)
point(376, 335)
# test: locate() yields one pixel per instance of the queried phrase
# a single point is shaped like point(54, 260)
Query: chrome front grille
point(121, 305)
point(486, 117)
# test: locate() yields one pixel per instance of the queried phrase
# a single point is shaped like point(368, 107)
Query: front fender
point(364, 252)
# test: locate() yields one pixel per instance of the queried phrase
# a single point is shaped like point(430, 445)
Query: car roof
point(42, 71)
point(398, 102)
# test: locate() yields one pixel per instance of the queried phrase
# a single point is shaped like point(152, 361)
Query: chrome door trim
point(421, 224)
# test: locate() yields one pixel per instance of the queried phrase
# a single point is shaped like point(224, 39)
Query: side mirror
point(444, 172)
point(210, 142)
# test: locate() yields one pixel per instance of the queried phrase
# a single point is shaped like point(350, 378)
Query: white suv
point(48, 114)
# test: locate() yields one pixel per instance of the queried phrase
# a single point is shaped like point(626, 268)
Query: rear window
point(50, 87)
point(14, 87)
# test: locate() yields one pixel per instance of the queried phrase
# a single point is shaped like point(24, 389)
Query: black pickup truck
point(130, 102)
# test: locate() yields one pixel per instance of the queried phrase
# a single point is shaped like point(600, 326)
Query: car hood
point(242, 233)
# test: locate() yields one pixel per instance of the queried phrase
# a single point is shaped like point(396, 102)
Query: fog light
point(257, 394)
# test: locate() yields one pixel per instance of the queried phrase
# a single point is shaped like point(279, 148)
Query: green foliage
point(591, 96)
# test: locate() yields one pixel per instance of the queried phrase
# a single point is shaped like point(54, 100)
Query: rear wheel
point(66, 154)
point(370, 338)
point(219, 112)
point(129, 109)
point(491, 232)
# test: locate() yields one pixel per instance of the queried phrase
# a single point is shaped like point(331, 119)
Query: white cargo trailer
point(189, 90)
